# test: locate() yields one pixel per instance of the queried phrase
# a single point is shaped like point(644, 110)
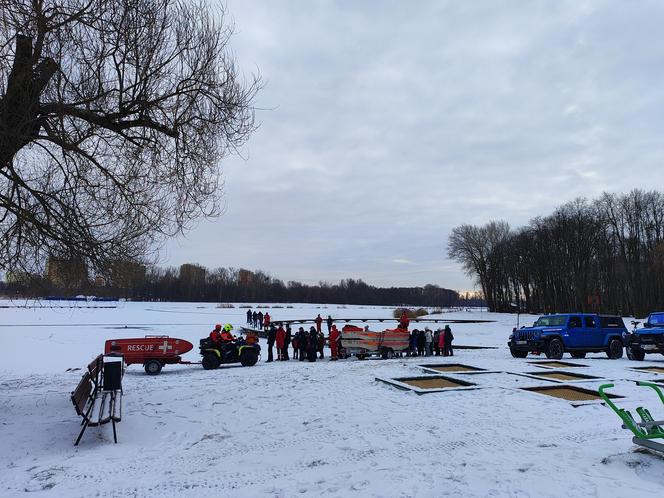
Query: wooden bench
point(95, 404)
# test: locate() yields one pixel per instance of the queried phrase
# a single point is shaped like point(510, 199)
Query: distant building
point(66, 273)
point(192, 275)
point(127, 275)
point(245, 277)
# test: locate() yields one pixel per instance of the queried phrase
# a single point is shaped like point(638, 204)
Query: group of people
point(307, 345)
point(428, 343)
point(220, 335)
point(257, 320)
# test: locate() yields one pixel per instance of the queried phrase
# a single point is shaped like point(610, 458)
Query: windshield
point(551, 321)
point(656, 319)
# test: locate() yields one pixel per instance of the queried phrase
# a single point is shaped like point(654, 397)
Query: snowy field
point(305, 429)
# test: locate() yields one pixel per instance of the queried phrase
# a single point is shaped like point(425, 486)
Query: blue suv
point(649, 339)
point(576, 333)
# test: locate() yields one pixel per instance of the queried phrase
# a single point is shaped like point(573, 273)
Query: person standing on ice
point(271, 336)
point(254, 316)
point(319, 322)
point(428, 339)
point(266, 321)
point(334, 338)
point(329, 324)
point(441, 341)
point(259, 323)
point(320, 345)
point(312, 344)
point(296, 346)
point(287, 342)
point(404, 321)
point(448, 341)
point(280, 339)
point(413, 344)
point(436, 350)
point(302, 341)
point(421, 342)
point(249, 318)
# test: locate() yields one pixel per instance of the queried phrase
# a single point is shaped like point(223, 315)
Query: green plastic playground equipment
point(646, 430)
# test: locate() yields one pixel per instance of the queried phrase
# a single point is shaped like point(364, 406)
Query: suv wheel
point(555, 349)
point(518, 354)
point(615, 349)
point(635, 355)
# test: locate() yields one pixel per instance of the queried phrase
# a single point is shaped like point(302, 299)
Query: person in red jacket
point(280, 339)
point(404, 321)
point(266, 321)
point(319, 322)
point(215, 335)
point(226, 334)
point(334, 342)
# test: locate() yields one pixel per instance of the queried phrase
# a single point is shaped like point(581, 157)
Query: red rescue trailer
point(152, 351)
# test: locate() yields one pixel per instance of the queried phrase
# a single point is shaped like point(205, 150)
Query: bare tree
point(480, 250)
point(114, 117)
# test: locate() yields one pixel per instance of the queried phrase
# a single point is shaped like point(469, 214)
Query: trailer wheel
point(210, 361)
point(152, 367)
point(248, 358)
point(387, 354)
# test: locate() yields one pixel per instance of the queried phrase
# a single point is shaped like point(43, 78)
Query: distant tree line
point(196, 283)
point(602, 255)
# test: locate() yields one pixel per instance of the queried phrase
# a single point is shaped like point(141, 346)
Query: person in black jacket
point(250, 320)
point(329, 323)
point(321, 345)
point(447, 351)
point(254, 317)
point(302, 340)
point(271, 336)
point(287, 341)
point(259, 325)
point(312, 344)
point(421, 342)
point(412, 342)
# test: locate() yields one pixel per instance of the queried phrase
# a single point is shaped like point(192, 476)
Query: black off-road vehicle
point(241, 350)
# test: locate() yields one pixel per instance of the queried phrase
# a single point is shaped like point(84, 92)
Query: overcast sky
point(393, 122)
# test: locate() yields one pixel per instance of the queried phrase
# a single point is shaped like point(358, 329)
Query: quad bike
point(245, 351)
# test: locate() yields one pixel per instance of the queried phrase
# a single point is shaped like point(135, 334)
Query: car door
point(575, 332)
point(592, 333)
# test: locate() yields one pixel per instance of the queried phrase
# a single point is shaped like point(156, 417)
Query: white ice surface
point(304, 429)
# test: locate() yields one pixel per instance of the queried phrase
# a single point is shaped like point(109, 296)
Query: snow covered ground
point(304, 429)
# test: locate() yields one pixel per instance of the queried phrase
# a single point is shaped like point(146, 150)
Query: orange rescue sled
point(362, 343)
point(152, 351)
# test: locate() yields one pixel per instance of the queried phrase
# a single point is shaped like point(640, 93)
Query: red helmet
point(217, 326)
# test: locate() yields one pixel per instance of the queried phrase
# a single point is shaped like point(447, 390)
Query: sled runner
point(648, 429)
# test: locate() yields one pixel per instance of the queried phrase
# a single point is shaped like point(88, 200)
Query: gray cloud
point(393, 122)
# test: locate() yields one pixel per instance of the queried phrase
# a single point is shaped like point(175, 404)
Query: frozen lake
point(306, 429)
